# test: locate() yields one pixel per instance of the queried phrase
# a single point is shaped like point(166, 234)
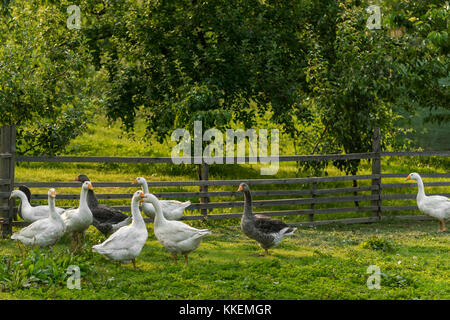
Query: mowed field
point(326, 262)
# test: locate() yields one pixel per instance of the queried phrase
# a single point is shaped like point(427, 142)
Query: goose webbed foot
point(442, 227)
point(23, 250)
point(75, 242)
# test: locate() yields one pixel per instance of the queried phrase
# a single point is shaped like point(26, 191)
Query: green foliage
point(313, 66)
point(37, 268)
point(45, 77)
point(396, 281)
point(376, 243)
point(364, 79)
point(183, 60)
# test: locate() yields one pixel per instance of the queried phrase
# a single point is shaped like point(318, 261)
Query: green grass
point(327, 262)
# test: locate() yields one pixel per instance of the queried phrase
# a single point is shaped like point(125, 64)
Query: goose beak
point(142, 198)
point(408, 178)
point(53, 194)
point(10, 197)
point(90, 187)
point(134, 182)
point(240, 188)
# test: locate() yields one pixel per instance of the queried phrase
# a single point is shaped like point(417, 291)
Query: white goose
point(126, 244)
point(44, 232)
point(436, 206)
point(29, 213)
point(172, 209)
point(79, 219)
point(176, 236)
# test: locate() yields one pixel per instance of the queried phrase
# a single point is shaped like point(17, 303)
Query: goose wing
point(267, 225)
point(70, 215)
point(436, 204)
point(173, 204)
point(124, 238)
point(104, 213)
point(179, 231)
point(33, 229)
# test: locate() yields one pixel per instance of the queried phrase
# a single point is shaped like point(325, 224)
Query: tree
point(362, 78)
point(180, 61)
point(45, 77)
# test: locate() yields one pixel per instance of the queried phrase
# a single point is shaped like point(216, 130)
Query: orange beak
point(53, 194)
point(408, 177)
point(240, 188)
point(90, 187)
point(134, 182)
point(142, 198)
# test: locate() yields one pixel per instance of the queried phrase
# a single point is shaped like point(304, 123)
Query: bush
point(376, 243)
point(37, 267)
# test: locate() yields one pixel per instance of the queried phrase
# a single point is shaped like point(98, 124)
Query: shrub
point(376, 243)
point(38, 267)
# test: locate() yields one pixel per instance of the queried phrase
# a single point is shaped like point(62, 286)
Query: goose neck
point(136, 213)
point(52, 207)
point(159, 216)
point(421, 191)
point(91, 198)
point(83, 196)
point(145, 187)
point(25, 204)
point(248, 203)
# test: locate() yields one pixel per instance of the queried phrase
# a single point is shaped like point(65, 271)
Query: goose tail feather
point(186, 204)
point(289, 231)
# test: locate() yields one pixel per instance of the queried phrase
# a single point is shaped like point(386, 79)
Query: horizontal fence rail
point(195, 160)
point(238, 203)
point(201, 183)
point(198, 160)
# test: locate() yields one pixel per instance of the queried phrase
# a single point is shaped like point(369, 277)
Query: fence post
point(202, 171)
point(313, 195)
point(7, 163)
point(376, 169)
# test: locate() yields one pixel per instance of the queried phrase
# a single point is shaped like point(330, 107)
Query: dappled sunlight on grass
point(316, 263)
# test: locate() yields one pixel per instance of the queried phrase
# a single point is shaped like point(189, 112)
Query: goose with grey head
point(267, 232)
point(435, 206)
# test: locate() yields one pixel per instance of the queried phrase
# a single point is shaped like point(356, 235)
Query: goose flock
point(128, 235)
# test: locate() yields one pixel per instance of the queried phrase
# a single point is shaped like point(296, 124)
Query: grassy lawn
point(326, 262)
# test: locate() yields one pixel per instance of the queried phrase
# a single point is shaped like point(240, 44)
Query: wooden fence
point(311, 197)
